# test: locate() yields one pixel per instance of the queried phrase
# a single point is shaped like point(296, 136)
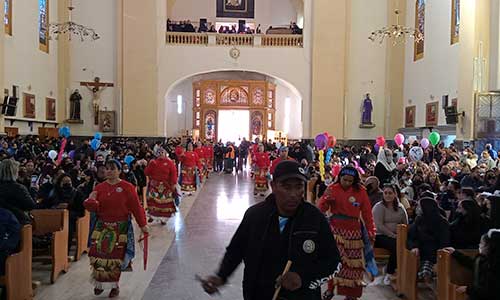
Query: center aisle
point(200, 245)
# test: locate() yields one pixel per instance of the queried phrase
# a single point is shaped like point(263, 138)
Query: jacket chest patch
point(308, 246)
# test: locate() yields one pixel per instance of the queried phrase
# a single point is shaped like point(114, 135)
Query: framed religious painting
point(43, 25)
point(236, 9)
point(431, 114)
point(418, 51)
point(29, 105)
point(50, 109)
point(7, 21)
point(455, 21)
point(107, 121)
point(410, 116)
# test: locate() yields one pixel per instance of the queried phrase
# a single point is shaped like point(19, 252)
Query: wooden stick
point(278, 289)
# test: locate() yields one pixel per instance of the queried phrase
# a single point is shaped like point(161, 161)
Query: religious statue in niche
point(74, 108)
point(96, 88)
point(257, 124)
point(210, 126)
point(366, 113)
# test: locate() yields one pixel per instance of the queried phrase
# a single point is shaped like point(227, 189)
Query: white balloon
point(416, 153)
point(52, 154)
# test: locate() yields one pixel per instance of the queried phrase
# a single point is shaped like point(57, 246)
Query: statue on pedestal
point(366, 113)
point(74, 111)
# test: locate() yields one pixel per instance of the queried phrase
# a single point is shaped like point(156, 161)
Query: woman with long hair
point(190, 166)
point(429, 233)
point(262, 164)
point(112, 237)
point(345, 201)
point(161, 192)
point(465, 230)
point(388, 214)
point(433, 180)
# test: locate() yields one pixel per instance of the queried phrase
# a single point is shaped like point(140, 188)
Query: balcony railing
point(248, 40)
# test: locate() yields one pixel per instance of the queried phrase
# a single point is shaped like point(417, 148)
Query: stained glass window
point(455, 21)
point(43, 25)
point(8, 16)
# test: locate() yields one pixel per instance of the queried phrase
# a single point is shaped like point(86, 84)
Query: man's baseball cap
point(289, 169)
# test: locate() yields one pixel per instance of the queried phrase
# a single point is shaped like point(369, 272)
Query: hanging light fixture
point(398, 33)
point(72, 28)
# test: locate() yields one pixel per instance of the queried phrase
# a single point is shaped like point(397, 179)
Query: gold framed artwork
point(418, 51)
point(50, 109)
point(432, 114)
point(43, 25)
point(455, 21)
point(29, 105)
point(410, 116)
point(8, 16)
point(107, 121)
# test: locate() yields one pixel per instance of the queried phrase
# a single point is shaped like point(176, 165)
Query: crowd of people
point(187, 26)
point(449, 198)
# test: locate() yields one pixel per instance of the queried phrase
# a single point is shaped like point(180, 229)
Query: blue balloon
point(64, 131)
point(98, 136)
point(95, 144)
point(129, 159)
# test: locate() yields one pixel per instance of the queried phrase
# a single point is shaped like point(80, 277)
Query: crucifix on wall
point(96, 87)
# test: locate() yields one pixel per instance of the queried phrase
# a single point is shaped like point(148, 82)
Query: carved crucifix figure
point(96, 88)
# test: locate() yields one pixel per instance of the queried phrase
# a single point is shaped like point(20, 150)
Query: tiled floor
point(192, 243)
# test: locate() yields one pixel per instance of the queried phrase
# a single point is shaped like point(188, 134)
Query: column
point(63, 65)
point(495, 46)
point(2, 71)
point(329, 43)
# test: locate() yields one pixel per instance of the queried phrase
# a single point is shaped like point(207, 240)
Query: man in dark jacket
point(282, 229)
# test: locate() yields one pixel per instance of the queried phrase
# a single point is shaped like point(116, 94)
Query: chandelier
point(397, 33)
point(72, 28)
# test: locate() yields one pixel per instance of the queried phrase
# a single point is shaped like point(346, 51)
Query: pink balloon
point(399, 139)
point(380, 141)
point(424, 143)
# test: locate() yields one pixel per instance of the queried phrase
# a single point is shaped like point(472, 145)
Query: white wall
point(26, 65)
point(437, 73)
point(366, 68)
point(295, 116)
point(267, 12)
point(91, 59)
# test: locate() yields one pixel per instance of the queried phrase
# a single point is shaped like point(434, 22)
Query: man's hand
point(291, 281)
point(145, 229)
point(93, 195)
point(211, 284)
point(415, 251)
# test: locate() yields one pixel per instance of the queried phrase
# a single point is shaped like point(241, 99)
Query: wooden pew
point(381, 254)
point(17, 278)
point(82, 235)
point(448, 281)
point(55, 222)
point(406, 282)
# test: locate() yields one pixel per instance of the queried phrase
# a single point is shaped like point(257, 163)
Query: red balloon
point(380, 141)
point(332, 141)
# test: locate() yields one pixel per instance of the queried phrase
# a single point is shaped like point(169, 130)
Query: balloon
point(321, 141)
point(52, 154)
point(64, 131)
point(98, 136)
point(411, 139)
point(416, 153)
point(61, 151)
point(129, 159)
point(434, 138)
point(71, 154)
point(95, 144)
point(332, 141)
point(424, 143)
point(399, 139)
point(380, 141)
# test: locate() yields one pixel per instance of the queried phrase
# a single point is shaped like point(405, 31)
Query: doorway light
point(179, 104)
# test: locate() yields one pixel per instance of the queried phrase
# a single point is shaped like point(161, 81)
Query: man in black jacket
point(282, 228)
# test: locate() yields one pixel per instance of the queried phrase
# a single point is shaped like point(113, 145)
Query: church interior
point(281, 71)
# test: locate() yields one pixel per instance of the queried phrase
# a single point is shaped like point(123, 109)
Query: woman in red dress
point(262, 163)
point(200, 151)
point(345, 201)
point(208, 150)
point(161, 193)
point(189, 164)
point(112, 238)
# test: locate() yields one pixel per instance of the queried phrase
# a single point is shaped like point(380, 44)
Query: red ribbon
point(61, 151)
point(145, 249)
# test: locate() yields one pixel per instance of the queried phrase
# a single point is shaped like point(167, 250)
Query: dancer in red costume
point(161, 193)
point(208, 150)
point(190, 162)
point(112, 236)
point(283, 155)
point(200, 151)
point(262, 164)
point(345, 201)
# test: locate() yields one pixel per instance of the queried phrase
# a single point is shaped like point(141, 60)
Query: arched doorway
point(242, 90)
